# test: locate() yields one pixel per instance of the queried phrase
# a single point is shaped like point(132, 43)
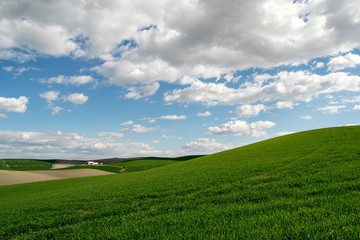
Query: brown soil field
point(16, 177)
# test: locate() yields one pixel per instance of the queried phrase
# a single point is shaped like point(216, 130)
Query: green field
point(134, 165)
point(150, 162)
point(25, 164)
point(298, 186)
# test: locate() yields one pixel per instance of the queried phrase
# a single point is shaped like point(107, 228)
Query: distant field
point(299, 186)
point(25, 164)
point(18, 177)
point(106, 168)
point(150, 162)
point(145, 162)
point(134, 165)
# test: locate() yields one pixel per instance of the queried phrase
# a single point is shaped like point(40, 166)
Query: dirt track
point(16, 177)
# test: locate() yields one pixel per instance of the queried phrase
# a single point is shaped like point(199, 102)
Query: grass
point(134, 165)
point(298, 186)
point(151, 162)
point(25, 164)
point(145, 162)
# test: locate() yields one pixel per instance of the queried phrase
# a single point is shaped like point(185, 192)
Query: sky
point(93, 79)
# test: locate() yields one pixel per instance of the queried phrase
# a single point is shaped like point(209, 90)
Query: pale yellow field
point(62, 165)
point(16, 177)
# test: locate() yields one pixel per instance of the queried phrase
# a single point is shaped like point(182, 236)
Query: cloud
point(205, 146)
point(74, 80)
point(12, 54)
point(127, 123)
point(247, 110)
point(282, 134)
point(3, 116)
point(286, 86)
point(319, 65)
point(173, 117)
point(165, 117)
point(349, 60)
point(331, 109)
point(155, 141)
point(138, 92)
point(242, 128)
point(205, 114)
point(356, 107)
point(166, 136)
point(55, 109)
point(18, 71)
point(283, 104)
point(110, 135)
point(355, 99)
point(250, 110)
point(13, 104)
point(68, 145)
point(50, 96)
point(138, 129)
point(163, 41)
point(49, 39)
point(193, 41)
point(306, 117)
point(76, 98)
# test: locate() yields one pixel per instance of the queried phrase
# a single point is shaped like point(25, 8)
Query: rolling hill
point(25, 164)
point(299, 186)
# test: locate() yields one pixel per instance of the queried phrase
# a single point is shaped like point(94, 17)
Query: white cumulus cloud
point(355, 99)
point(110, 135)
point(306, 117)
point(138, 128)
point(50, 96)
point(138, 92)
point(205, 146)
point(319, 65)
point(74, 80)
point(287, 87)
point(349, 60)
point(331, 109)
point(13, 104)
point(142, 42)
point(242, 128)
point(173, 117)
point(247, 110)
point(76, 98)
point(283, 104)
point(356, 107)
point(204, 114)
point(127, 123)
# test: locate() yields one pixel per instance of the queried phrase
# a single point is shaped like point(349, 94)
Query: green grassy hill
point(25, 164)
point(300, 186)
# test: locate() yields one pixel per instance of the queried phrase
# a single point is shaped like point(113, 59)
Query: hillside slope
point(304, 185)
point(25, 164)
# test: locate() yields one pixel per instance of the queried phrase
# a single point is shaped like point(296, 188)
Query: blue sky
point(91, 79)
